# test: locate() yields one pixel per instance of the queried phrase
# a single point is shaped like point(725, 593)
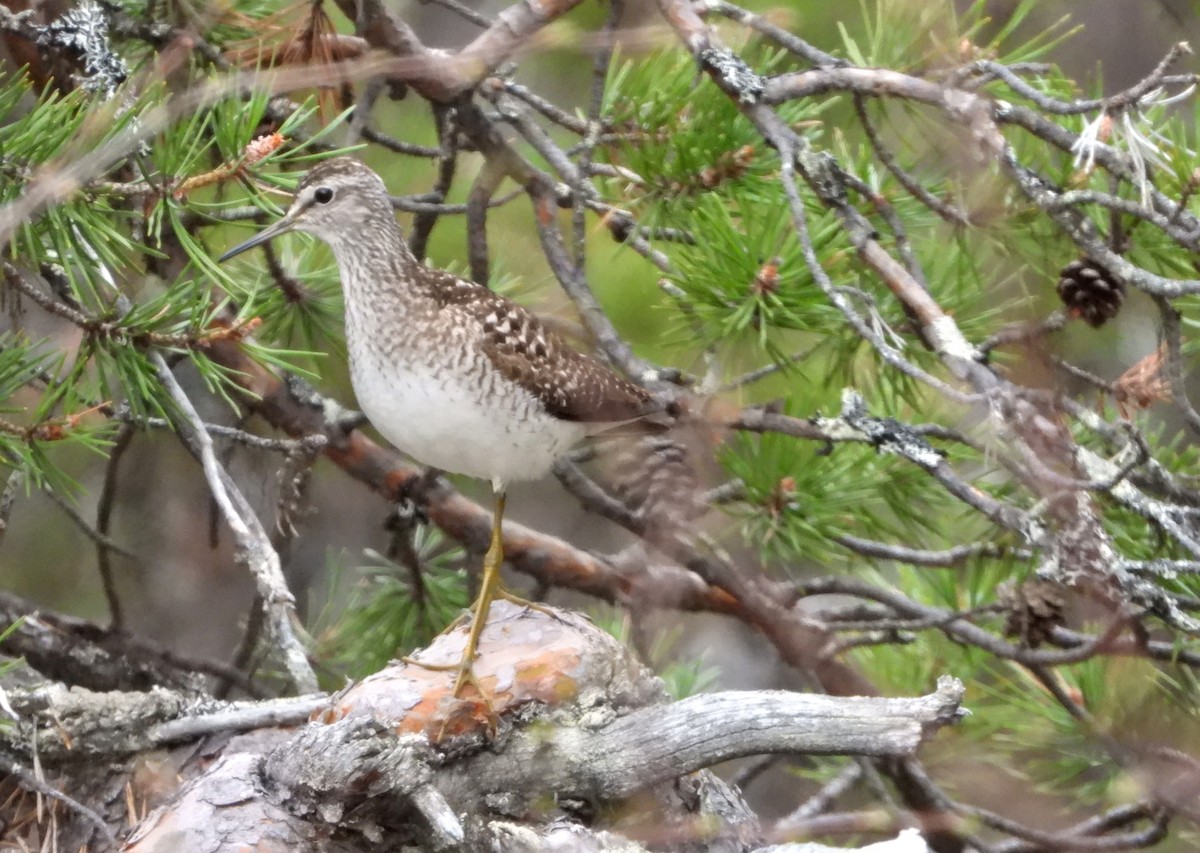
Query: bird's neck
point(386, 288)
point(377, 266)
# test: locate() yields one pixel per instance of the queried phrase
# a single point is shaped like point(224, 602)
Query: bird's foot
point(531, 605)
point(466, 676)
point(478, 615)
point(463, 667)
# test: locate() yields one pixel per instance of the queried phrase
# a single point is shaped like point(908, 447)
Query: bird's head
point(335, 201)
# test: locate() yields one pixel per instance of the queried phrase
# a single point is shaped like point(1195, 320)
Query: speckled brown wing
point(570, 385)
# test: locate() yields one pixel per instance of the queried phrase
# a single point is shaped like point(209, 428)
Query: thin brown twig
point(104, 509)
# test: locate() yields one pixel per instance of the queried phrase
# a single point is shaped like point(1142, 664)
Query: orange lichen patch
point(524, 656)
point(328, 715)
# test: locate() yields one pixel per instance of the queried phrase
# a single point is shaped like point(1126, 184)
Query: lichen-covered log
point(575, 738)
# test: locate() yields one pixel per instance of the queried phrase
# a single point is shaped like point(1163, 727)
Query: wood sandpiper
point(456, 376)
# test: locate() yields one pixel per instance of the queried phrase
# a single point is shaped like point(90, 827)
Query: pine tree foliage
point(882, 472)
point(386, 612)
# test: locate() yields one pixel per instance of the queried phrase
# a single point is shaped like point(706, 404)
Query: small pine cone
point(1034, 608)
point(1090, 292)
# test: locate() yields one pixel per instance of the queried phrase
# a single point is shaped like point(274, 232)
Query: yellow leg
point(489, 587)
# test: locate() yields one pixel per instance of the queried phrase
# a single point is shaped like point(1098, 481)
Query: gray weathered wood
point(656, 744)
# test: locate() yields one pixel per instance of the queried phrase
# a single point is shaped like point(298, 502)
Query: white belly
point(442, 423)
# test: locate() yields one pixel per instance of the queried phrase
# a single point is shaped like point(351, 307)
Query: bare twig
point(29, 780)
point(254, 546)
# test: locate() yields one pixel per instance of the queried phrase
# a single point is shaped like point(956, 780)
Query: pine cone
point(1090, 292)
point(1034, 609)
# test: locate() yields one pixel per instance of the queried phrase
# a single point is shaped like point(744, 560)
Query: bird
point(458, 377)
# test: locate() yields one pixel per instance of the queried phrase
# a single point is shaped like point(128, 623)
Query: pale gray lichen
point(733, 74)
point(83, 31)
point(887, 435)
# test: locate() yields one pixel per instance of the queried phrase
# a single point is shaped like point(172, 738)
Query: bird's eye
point(323, 195)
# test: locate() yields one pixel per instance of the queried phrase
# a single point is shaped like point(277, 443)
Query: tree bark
point(575, 743)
